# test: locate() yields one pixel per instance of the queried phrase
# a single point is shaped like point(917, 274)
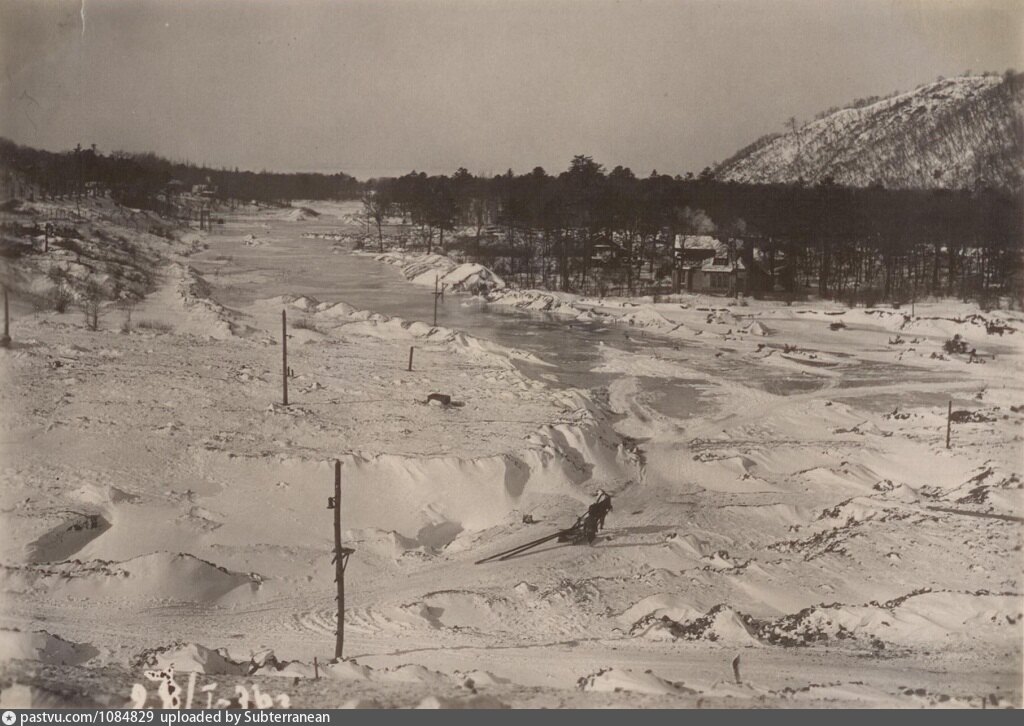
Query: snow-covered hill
point(953, 133)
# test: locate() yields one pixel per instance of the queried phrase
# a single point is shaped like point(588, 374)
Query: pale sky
point(382, 87)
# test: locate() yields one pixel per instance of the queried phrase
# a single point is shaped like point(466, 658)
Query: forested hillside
point(956, 133)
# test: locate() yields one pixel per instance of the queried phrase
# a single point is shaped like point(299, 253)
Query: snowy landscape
point(742, 434)
point(782, 490)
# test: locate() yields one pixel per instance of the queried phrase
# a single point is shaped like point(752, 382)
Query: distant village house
point(707, 264)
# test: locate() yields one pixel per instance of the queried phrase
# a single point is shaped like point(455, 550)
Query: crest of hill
point(954, 133)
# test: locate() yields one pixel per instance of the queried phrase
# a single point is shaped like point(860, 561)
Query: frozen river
point(281, 261)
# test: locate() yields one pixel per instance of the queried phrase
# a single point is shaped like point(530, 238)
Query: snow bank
point(43, 647)
point(426, 269)
point(429, 500)
point(721, 624)
point(197, 658)
point(302, 214)
point(613, 680)
point(348, 320)
point(538, 301)
point(161, 575)
point(411, 494)
point(936, 619)
point(204, 317)
point(658, 606)
point(193, 658)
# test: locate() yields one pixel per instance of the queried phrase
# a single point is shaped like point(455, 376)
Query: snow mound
point(471, 610)
point(67, 538)
point(674, 607)
point(302, 214)
point(934, 618)
point(475, 679)
point(721, 624)
point(473, 278)
point(204, 316)
point(337, 310)
point(197, 658)
point(409, 673)
point(193, 658)
point(346, 670)
point(43, 647)
point(419, 330)
point(440, 269)
point(159, 576)
point(647, 317)
point(539, 301)
point(305, 303)
point(421, 270)
point(612, 680)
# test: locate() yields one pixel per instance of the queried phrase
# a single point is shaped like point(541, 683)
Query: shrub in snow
point(956, 344)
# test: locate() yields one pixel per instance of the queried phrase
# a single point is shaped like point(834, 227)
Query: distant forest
point(586, 229)
point(590, 230)
point(137, 180)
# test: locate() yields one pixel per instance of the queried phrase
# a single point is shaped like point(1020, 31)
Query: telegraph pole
point(6, 339)
point(437, 294)
point(949, 422)
point(284, 355)
point(341, 555)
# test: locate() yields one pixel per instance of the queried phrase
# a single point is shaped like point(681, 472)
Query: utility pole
point(6, 339)
point(341, 555)
point(284, 355)
point(949, 422)
point(437, 294)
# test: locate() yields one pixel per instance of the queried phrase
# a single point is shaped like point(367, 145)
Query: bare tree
point(92, 301)
point(61, 294)
point(377, 207)
point(127, 305)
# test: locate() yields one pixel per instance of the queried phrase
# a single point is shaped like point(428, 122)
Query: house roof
point(696, 242)
point(709, 266)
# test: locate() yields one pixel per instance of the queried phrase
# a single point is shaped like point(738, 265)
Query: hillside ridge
point(956, 133)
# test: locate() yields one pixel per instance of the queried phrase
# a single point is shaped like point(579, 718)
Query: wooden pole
point(435, 301)
point(6, 339)
point(339, 562)
point(284, 355)
point(949, 422)
point(410, 357)
point(316, 669)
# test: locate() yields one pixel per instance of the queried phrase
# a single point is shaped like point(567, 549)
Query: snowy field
point(783, 490)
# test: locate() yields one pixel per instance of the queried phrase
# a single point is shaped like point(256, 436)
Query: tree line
point(586, 229)
point(592, 230)
point(141, 179)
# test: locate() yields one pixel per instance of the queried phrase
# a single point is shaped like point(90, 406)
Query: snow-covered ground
point(783, 493)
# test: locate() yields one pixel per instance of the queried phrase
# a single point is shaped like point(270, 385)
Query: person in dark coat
point(600, 508)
